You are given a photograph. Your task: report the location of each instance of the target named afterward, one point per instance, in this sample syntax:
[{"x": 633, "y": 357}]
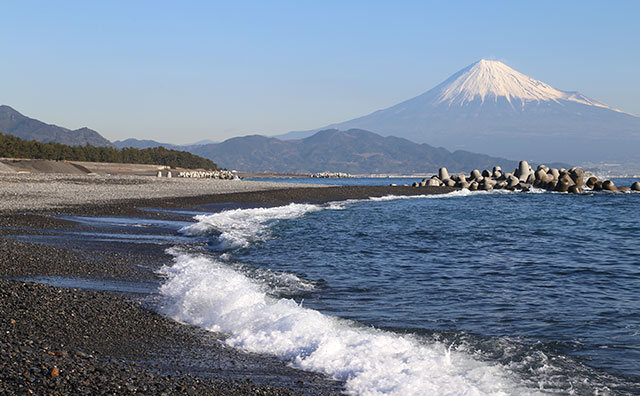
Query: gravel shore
[
  {"x": 49, "y": 191},
  {"x": 66, "y": 340},
  {"x": 61, "y": 341}
]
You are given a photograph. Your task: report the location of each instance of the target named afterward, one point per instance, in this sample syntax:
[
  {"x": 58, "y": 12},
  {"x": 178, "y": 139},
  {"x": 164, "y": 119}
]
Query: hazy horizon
[{"x": 196, "y": 71}]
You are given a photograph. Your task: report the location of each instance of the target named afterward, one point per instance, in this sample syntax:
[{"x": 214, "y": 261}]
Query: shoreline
[
  {"x": 71, "y": 193},
  {"x": 62, "y": 340}
]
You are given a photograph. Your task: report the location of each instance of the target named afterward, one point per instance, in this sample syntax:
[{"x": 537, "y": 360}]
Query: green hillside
[{"x": 13, "y": 147}]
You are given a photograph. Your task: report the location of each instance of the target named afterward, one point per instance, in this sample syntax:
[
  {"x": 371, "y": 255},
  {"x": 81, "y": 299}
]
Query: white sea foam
[
  {"x": 276, "y": 282},
  {"x": 395, "y": 197},
  {"x": 467, "y": 193},
  {"x": 227, "y": 297},
  {"x": 239, "y": 227},
  {"x": 223, "y": 296},
  {"x": 208, "y": 293}
]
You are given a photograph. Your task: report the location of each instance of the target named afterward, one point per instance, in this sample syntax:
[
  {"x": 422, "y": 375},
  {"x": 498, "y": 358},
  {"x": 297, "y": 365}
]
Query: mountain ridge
[
  {"x": 14, "y": 123},
  {"x": 142, "y": 144},
  {"x": 354, "y": 151}
]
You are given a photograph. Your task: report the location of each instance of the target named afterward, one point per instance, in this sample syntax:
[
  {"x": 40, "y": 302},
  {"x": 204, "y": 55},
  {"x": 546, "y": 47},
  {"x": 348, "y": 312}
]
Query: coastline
[{"x": 72, "y": 339}]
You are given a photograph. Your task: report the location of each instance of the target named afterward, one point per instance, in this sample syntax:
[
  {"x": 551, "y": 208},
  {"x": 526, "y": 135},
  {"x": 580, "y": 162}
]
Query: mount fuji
[{"x": 491, "y": 108}]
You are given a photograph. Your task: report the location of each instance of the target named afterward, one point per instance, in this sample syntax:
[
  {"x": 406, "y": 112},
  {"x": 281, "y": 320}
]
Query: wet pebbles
[
  {"x": 66, "y": 341},
  {"x": 63, "y": 341}
]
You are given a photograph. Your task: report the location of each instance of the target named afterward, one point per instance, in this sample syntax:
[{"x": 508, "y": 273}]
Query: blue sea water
[
  {"x": 356, "y": 181},
  {"x": 467, "y": 293}
]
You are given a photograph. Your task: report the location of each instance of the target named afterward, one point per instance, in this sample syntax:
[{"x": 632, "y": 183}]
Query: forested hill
[
  {"x": 13, "y": 147},
  {"x": 354, "y": 151},
  {"x": 16, "y": 124}
]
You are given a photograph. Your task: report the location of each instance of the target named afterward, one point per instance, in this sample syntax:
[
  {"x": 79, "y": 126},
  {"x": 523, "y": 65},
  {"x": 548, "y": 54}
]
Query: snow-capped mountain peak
[
  {"x": 488, "y": 107},
  {"x": 489, "y": 80}
]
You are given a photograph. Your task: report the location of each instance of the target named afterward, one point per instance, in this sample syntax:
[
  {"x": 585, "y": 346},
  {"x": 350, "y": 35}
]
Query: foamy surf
[
  {"x": 238, "y": 228},
  {"x": 468, "y": 193},
  {"x": 454, "y": 194},
  {"x": 208, "y": 293},
  {"x": 245, "y": 303}
]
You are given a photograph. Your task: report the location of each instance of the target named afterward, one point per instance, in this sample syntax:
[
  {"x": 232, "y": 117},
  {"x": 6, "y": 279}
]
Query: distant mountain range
[
  {"x": 143, "y": 144},
  {"x": 354, "y": 151},
  {"x": 16, "y": 124},
  {"x": 488, "y": 107}
]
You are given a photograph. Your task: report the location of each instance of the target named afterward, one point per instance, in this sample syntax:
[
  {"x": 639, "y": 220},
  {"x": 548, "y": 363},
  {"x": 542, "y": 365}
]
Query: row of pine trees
[{"x": 14, "y": 147}]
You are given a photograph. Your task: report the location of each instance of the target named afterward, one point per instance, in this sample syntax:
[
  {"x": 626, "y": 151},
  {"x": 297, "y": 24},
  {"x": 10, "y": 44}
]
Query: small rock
[
  {"x": 566, "y": 178},
  {"x": 476, "y": 175},
  {"x": 540, "y": 174},
  {"x": 608, "y": 185},
  {"x": 443, "y": 174},
  {"x": 550, "y": 185},
  {"x": 562, "y": 186},
  {"x": 486, "y": 185},
  {"x": 531, "y": 178},
  {"x": 575, "y": 189},
  {"x": 512, "y": 181},
  {"x": 597, "y": 186},
  {"x": 522, "y": 172},
  {"x": 577, "y": 175}
]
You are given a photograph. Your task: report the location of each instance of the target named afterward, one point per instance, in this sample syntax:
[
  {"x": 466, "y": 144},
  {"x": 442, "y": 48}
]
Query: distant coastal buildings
[{"x": 331, "y": 175}]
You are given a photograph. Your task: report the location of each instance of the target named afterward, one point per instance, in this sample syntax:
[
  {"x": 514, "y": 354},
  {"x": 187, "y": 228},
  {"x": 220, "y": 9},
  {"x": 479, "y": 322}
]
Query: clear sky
[{"x": 183, "y": 71}]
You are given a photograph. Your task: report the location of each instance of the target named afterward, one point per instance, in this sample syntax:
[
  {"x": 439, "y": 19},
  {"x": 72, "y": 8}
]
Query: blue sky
[{"x": 185, "y": 71}]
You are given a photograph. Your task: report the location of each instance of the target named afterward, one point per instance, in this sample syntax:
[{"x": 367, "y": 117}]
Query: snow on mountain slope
[{"x": 489, "y": 80}]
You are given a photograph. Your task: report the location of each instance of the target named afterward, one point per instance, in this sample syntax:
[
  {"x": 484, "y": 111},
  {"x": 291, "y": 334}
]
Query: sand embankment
[
  {"x": 24, "y": 165},
  {"x": 41, "y": 166}
]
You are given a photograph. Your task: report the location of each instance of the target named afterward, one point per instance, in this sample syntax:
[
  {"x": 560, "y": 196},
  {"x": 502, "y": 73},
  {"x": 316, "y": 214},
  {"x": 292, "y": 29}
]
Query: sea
[{"x": 464, "y": 293}]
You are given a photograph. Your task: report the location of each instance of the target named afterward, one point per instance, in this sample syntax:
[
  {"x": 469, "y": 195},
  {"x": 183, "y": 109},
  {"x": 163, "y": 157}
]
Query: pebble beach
[
  {"x": 40, "y": 191},
  {"x": 75, "y": 340}
]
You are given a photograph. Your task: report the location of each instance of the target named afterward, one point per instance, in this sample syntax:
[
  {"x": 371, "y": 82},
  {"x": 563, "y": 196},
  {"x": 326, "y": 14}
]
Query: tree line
[{"x": 14, "y": 147}]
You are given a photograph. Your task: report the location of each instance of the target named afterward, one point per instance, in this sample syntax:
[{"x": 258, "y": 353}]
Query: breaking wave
[{"x": 208, "y": 293}]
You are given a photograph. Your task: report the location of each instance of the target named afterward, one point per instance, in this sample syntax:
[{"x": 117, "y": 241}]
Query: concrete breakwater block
[{"x": 524, "y": 178}]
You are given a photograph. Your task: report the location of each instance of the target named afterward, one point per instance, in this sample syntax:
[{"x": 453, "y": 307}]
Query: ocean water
[
  {"x": 483, "y": 293},
  {"x": 356, "y": 181},
  {"x": 385, "y": 181}
]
